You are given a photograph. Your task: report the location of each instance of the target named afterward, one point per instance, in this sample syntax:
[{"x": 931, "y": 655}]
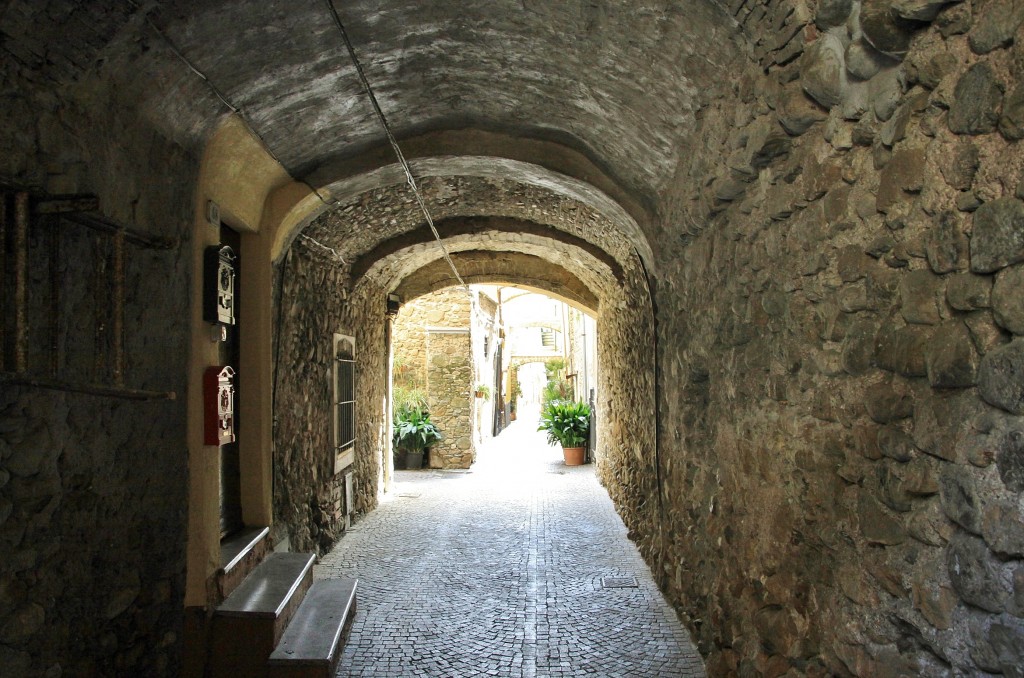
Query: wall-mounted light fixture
[{"x": 394, "y": 303}]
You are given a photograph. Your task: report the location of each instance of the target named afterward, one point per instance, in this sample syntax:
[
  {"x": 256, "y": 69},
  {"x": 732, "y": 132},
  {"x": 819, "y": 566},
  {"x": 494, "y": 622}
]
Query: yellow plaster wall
[{"x": 254, "y": 194}]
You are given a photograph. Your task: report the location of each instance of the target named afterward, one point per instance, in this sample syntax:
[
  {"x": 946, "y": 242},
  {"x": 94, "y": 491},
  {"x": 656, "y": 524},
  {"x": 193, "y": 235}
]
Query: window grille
[
  {"x": 344, "y": 394},
  {"x": 547, "y": 337}
]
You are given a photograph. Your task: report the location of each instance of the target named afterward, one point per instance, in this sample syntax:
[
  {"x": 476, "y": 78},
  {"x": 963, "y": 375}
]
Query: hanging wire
[
  {"x": 237, "y": 110},
  {"x": 323, "y": 247},
  {"x": 410, "y": 179},
  {"x": 184, "y": 60}
]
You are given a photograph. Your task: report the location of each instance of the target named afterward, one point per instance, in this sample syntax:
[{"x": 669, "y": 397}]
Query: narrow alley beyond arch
[{"x": 509, "y": 569}]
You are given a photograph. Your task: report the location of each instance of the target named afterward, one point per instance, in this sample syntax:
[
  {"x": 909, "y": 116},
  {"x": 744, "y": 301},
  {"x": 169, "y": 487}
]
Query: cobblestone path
[{"x": 504, "y": 570}]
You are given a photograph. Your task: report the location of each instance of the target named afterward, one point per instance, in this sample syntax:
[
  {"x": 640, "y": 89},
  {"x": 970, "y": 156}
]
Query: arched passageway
[
  {"x": 818, "y": 206},
  {"x": 340, "y": 269}
]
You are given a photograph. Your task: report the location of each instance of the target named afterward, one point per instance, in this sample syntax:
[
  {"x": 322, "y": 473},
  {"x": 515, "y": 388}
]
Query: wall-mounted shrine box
[{"x": 219, "y": 405}]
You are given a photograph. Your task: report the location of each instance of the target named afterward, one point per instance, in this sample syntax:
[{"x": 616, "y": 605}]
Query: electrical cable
[
  {"x": 324, "y": 247},
  {"x": 237, "y": 110},
  {"x": 410, "y": 179}
]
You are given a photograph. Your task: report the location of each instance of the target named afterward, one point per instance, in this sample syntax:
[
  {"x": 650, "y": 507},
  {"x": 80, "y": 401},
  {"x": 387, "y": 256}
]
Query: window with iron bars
[{"x": 344, "y": 400}]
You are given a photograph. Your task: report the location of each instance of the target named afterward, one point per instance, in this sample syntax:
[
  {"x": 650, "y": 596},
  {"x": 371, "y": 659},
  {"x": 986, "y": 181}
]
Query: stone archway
[
  {"x": 497, "y": 230},
  {"x": 515, "y": 383}
]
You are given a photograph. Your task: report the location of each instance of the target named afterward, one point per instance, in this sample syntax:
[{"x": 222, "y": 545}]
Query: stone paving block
[{"x": 498, "y": 572}]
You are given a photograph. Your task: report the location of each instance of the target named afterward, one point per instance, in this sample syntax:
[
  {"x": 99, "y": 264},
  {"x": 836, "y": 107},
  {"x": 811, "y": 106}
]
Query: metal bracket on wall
[
  {"x": 21, "y": 212},
  {"x": 17, "y": 379},
  {"x": 84, "y": 210}
]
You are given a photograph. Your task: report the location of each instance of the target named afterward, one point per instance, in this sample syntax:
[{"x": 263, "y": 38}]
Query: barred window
[{"x": 344, "y": 400}]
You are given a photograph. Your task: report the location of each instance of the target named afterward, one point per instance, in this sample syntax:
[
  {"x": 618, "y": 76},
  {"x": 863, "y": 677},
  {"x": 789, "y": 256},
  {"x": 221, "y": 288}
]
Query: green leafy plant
[
  {"x": 483, "y": 391},
  {"x": 556, "y": 389},
  {"x": 414, "y": 432},
  {"x": 553, "y": 367},
  {"x": 566, "y": 423},
  {"x": 406, "y": 398}
]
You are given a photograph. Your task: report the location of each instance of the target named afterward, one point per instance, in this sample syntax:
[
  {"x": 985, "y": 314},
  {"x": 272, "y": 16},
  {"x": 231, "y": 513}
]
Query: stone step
[
  {"x": 239, "y": 556},
  {"x": 312, "y": 644},
  {"x": 250, "y": 622}
]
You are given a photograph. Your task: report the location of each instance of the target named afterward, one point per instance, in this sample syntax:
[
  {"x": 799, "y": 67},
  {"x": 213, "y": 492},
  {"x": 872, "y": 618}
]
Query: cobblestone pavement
[{"x": 504, "y": 571}]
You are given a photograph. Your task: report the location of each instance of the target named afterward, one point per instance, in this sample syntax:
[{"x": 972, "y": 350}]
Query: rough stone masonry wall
[
  {"x": 450, "y": 395},
  {"x": 626, "y": 456},
  {"x": 315, "y": 302},
  {"x": 442, "y": 363},
  {"x": 93, "y": 489},
  {"x": 840, "y": 319}
]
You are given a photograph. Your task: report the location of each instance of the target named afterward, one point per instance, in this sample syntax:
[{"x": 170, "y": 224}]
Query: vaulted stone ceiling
[
  {"x": 616, "y": 81},
  {"x": 583, "y": 99}
]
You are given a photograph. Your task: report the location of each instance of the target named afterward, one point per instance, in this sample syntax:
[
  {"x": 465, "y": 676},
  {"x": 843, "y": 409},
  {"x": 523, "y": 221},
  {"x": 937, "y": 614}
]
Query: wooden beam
[
  {"x": 104, "y": 225},
  {"x": 67, "y": 204},
  {"x": 18, "y": 379}
]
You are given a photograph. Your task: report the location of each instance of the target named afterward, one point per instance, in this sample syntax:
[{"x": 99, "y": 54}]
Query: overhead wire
[
  {"x": 323, "y": 247},
  {"x": 410, "y": 179},
  {"x": 185, "y": 60},
  {"x": 237, "y": 110}
]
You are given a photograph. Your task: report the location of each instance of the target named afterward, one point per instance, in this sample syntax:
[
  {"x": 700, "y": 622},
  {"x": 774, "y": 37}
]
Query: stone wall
[
  {"x": 626, "y": 454},
  {"x": 316, "y": 302},
  {"x": 93, "y": 488},
  {"x": 840, "y": 359},
  {"x": 432, "y": 338},
  {"x": 576, "y": 341},
  {"x": 450, "y": 397}
]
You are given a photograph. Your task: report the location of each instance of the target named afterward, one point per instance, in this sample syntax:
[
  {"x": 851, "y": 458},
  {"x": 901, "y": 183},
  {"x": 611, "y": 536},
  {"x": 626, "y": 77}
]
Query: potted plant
[
  {"x": 513, "y": 401},
  {"x": 482, "y": 391},
  {"x": 567, "y": 424},
  {"x": 414, "y": 434}
]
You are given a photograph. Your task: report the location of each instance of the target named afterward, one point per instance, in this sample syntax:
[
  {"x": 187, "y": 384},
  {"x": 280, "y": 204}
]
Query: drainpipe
[
  {"x": 567, "y": 356},
  {"x": 117, "y": 321},
  {"x": 586, "y": 369},
  {"x": 53, "y": 238}
]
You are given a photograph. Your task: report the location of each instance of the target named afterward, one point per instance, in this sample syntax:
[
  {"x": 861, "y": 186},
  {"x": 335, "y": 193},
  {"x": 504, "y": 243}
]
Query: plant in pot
[
  {"x": 567, "y": 424},
  {"x": 513, "y": 401},
  {"x": 482, "y": 391},
  {"x": 414, "y": 434}
]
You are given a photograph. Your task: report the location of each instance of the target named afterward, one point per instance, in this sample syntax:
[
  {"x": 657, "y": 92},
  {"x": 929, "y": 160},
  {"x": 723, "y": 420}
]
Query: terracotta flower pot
[{"x": 573, "y": 455}]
